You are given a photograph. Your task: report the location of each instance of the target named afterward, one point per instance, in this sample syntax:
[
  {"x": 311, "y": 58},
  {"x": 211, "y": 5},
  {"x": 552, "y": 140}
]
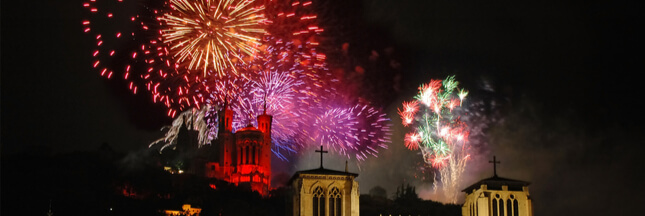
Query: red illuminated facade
[{"x": 244, "y": 157}]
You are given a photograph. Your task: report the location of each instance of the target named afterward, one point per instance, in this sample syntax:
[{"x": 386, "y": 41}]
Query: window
[
  {"x": 495, "y": 213},
  {"x": 319, "y": 202},
  {"x": 517, "y": 208},
  {"x": 335, "y": 202},
  {"x": 246, "y": 156},
  {"x": 509, "y": 207},
  {"x": 501, "y": 207},
  {"x": 253, "y": 155}
]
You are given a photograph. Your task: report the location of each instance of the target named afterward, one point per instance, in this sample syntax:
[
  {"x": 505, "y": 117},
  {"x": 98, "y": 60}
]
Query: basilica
[{"x": 243, "y": 157}]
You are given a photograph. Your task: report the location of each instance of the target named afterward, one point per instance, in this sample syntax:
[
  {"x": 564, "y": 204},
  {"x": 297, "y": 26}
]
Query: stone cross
[
  {"x": 495, "y": 162},
  {"x": 321, "y": 155}
]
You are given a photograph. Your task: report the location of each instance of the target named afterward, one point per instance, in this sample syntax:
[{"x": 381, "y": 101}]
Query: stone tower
[
  {"x": 497, "y": 196},
  {"x": 325, "y": 192},
  {"x": 264, "y": 124},
  {"x": 225, "y": 141}
]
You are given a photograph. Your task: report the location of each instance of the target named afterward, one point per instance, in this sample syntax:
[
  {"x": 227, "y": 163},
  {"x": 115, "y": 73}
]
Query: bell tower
[
  {"x": 264, "y": 125},
  {"x": 225, "y": 118},
  {"x": 497, "y": 196},
  {"x": 225, "y": 139}
]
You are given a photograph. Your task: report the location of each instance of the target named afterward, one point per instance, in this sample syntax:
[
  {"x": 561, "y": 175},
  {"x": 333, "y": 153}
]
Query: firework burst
[
  {"x": 212, "y": 35},
  {"x": 438, "y": 132},
  {"x": 358, "y": 131}
]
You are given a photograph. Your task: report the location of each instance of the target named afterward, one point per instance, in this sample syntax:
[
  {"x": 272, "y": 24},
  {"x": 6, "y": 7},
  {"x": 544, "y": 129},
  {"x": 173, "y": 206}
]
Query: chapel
[
  {"x": 325, "y": 192},
  {"x": 497, "y": 196}
]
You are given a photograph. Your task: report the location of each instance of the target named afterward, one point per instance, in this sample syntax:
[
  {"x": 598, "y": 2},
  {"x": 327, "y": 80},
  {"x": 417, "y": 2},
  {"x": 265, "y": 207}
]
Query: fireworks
[
  {"x": 213, "y": 35},
  {"x": 193, "y": 55},
  {"x": 181, "y": 51},
  {"x": 357, "y": 131},
  {"x": 438, "y": 131},
  {"x": 278, "y": 93},
  {"x": 192, "y": 119}
]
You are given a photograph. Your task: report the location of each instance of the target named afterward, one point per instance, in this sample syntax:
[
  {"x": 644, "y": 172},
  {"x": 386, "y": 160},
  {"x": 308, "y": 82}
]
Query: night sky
[{"x": 566, "y": 73}]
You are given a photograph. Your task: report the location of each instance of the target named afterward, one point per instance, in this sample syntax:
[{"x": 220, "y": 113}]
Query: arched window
[
  {"x": 335, "y": 202},
  {"x": 501, "y": 207},
  {"x": 253, "y": 155},
  {"x": 509, "y": 207},
  {"x": 246, "y": 155},
  {"x": 495, "y": 213},
  {"x": 319, "y": 202},
  {"x": 516, "y": 206}
]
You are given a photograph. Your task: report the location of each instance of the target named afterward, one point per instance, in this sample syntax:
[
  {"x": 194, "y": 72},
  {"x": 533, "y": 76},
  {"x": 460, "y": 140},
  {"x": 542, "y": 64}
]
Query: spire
[
  {"x": 225, "y": 102},
  {"x": 346, "y": 170},
  {"x": 265, "y": 102}
]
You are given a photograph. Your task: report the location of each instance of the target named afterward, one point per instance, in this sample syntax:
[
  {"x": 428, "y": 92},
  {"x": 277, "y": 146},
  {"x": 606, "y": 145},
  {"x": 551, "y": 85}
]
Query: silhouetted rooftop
[
  {"x": 496, "y": 183},
  {"x": 322, "y": 171}
]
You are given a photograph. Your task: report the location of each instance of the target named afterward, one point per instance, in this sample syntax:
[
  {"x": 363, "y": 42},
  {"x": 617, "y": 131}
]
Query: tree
[{"x": 378, "y": 191}]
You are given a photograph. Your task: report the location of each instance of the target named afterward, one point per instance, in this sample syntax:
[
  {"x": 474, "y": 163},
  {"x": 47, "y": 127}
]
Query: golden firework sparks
[{"x": 213, "y": 35}]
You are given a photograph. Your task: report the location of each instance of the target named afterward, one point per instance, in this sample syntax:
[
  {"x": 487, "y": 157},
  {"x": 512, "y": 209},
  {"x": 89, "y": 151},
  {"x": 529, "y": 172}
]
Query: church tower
[
  {"x": 264, "y": 124},
  {"x": 225, "y": 140},
  {"x": 497, "y": 196},
  {"x": 324, "y": 192}
]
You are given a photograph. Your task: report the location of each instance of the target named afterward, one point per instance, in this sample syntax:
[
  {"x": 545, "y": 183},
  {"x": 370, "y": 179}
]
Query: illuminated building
[
  {"x": 497, "y": 196},
  {"x": 243, "y": 156},
  {"x": 324, "y": 192},
  {"x": 186, "y": 210}
]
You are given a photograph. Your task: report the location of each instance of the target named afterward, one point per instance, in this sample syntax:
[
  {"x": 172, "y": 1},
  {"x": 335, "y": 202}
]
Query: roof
[
  {"x": 248, "y": 128},
  {"x": 496, "y": 182},
  {"x": 321, "y": 171}
]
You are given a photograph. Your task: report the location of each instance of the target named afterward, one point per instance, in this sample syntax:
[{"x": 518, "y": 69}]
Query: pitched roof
[{"x": 495, "y": 183}]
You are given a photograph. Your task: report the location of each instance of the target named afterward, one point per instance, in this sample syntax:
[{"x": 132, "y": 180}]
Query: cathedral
[
  {"x": 497, "y": 196},
  {"x": 244, "y": 156}
]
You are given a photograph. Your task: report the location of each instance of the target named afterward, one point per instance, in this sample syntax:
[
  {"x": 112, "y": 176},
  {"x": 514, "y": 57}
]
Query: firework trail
[
  {"x": 438, "y": 132},
  {"x": 192, "y": 119}
]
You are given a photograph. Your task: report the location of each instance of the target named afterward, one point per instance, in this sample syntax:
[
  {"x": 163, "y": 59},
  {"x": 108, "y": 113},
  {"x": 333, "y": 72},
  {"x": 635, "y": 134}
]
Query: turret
[
  {"x": 225, "y": 140},
  {"x": 264, "y": 125},
  {"x": 225, "y": 117}
]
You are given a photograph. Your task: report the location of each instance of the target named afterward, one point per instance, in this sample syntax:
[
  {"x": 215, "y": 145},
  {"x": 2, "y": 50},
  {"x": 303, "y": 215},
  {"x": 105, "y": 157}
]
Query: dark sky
[{"x": 567, "y": 72}]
